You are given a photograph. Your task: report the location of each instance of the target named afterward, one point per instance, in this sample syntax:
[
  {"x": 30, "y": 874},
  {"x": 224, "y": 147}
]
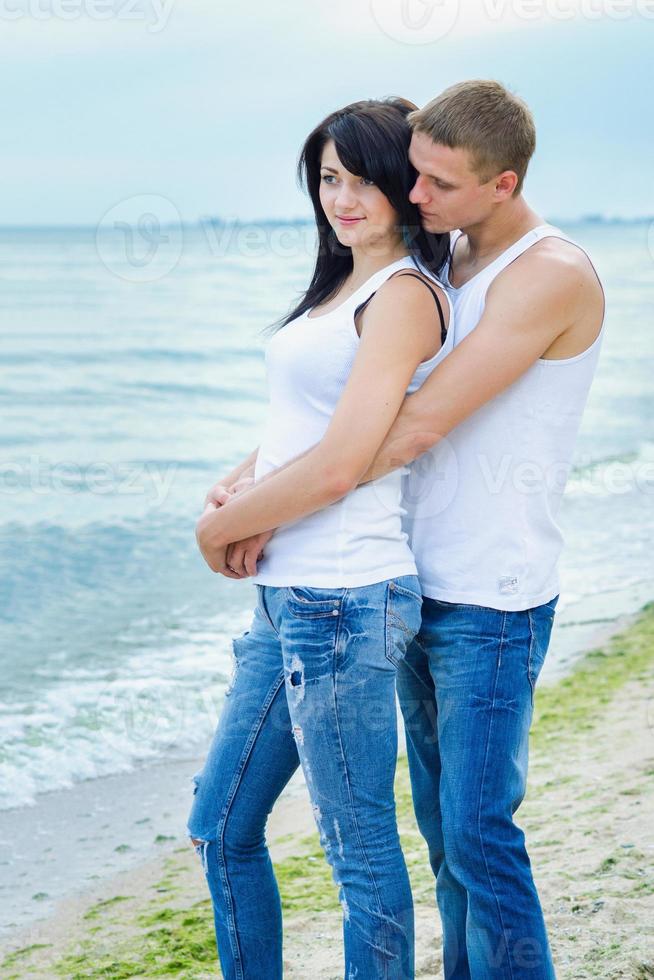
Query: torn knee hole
[{"x": 201, "y": 847}]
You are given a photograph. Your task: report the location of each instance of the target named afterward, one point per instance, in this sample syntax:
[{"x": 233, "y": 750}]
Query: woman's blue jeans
[
  {"x": 314, "y": 685},
  {"x": 466, "y": 689}
]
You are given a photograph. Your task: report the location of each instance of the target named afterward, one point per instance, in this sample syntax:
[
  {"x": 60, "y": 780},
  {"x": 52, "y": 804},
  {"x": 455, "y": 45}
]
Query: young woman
[{"x": 338, "y": 598}]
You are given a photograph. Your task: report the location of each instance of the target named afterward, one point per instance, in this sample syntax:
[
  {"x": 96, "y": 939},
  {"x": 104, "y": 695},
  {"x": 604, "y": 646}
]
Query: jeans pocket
[
  {"x": 403, "y": 619},
  {"x": 307, "y": 602}
]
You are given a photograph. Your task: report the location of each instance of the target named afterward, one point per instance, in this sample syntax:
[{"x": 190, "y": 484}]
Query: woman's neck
[{"x": 366, "y": 264}]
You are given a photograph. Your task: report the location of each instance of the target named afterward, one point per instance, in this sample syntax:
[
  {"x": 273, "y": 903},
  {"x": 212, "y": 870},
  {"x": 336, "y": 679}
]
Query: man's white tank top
[
  {"x": 481, "y": 506},
  {"x": 358, "y": 540}
]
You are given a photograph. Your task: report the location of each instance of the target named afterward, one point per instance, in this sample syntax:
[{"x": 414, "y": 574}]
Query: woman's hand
[
  {"x": 242, "y": 556},
  {"x": 215, "y": 558},
  {"x": 239, "y": 559}
]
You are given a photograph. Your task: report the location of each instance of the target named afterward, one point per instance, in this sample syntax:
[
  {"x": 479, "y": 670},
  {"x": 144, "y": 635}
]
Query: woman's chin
[{"x": 348, "y": 237}]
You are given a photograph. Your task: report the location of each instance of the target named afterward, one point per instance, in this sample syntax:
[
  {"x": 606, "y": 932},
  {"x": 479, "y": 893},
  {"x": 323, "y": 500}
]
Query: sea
[{"x": 132, "y": 378}]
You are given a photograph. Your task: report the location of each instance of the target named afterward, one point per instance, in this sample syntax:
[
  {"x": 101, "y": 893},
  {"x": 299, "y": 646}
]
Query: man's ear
[{"x": 505, "y": 184}]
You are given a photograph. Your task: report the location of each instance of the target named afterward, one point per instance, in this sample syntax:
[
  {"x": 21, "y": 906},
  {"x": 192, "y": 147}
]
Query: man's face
[{"x": 447, "y": 191}]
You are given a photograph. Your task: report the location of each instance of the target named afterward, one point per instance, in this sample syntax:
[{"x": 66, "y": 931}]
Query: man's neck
[{"x": 497, "y": 232}]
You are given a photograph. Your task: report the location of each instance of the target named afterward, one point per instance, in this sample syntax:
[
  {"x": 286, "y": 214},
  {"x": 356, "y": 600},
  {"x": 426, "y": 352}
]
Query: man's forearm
[
  {"x": 246, "y": 468},
  {"x": 406, "y": 440}
]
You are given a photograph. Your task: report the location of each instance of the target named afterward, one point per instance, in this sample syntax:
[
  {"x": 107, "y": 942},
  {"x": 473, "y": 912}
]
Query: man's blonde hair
[{"x": 483, "y": 117}]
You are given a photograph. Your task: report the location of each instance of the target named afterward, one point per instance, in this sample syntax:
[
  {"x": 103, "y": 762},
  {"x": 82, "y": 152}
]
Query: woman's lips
[{"x": 348, "y": 221}]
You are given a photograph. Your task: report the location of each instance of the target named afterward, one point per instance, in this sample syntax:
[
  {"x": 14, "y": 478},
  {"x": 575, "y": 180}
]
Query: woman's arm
[{"x": 399, "y": 329}]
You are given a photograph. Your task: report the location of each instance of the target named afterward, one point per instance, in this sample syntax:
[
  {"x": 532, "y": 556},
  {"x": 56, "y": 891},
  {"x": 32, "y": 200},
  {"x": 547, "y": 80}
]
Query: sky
[{"x": 205, "y": 103}]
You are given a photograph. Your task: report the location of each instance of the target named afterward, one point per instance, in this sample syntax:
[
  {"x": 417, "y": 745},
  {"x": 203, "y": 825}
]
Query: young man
[{"x": 492, "y": 433}]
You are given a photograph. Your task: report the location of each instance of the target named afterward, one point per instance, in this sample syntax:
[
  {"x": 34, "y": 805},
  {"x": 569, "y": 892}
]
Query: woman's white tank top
[
  {"x": 481, "y": 506},
  {"x": 358, "y": 540}
]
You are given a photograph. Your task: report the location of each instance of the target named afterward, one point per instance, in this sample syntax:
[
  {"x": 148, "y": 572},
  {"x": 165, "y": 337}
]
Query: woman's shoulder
[{"x": 420, "y": 290}]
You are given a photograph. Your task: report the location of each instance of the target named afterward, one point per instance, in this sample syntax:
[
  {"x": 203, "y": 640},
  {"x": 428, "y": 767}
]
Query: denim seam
[
  {"x": 481, "y": 793},
  {"x": 388, "y": 612},
  {"x": 407, "y": 592},
  {"x": 531, "y": 648},
  {"x": 392, "y": 619},
  {"x": 349, "y": 792},
  {"x": 292, "y": 591},
  {"x": 231, "y": 924},
  {"x": 264, "y": 612}
]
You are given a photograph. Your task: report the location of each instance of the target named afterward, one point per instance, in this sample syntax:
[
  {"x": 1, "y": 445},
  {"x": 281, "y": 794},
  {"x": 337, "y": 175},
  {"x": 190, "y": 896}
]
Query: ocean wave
[
  {"x": 619, "y": 473},
  {"x": 82, "y": 722}
]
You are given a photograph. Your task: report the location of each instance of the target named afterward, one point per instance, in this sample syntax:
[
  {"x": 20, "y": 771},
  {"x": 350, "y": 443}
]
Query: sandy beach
[{"x": 587, "y": 817}]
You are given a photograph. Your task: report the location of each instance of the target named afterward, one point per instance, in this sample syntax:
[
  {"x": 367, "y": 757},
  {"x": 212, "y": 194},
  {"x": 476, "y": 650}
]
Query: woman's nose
[{"x": 346, "y": 198}]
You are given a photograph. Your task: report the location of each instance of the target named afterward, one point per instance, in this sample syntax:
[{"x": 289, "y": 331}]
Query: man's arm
[
  {"x": 217, "y": 493},
  {"x": 550, "y": 298}
]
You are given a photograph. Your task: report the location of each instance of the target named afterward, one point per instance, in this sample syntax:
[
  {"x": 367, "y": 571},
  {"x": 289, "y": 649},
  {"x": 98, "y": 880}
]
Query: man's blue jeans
[
  {"x": 314, "y": 685},
  {"x": 466, "y": 690}
]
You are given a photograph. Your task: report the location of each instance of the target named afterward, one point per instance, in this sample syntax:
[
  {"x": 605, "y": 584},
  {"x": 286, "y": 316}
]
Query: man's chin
[{"x": 436, "y": 226}]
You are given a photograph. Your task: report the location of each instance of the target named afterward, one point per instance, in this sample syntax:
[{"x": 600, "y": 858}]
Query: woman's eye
[
  {"x": 368, "y": 181},
  {"x": 328, "y": 178}
]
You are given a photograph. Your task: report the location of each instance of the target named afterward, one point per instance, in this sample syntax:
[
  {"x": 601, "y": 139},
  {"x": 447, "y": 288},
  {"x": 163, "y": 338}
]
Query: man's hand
[{"x": 220, "y": 493}]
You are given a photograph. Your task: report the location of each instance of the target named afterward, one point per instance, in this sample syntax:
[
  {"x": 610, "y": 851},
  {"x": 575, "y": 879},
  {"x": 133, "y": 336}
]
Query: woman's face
[{"x": 359, "y": 213}]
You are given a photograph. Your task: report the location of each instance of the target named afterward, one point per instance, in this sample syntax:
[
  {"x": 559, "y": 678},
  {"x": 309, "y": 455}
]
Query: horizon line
[{"x": 591, "y": 218}]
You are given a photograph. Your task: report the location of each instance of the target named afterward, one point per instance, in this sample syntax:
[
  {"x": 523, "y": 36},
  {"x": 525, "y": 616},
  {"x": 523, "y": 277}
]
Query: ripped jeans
[{"x": 314, "y": 685}]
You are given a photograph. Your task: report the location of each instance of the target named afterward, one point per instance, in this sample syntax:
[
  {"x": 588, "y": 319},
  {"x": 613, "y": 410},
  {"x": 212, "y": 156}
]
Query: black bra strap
[
  {"x": 438, "y": 302},
  {"x": 441, "y": 316},
  {"x": 362, "y": 306}
]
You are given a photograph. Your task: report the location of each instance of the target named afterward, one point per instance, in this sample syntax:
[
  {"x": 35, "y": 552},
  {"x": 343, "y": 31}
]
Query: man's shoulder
[
  {"x": 552, "y": 263},
  {"x": 560, "y": 250}
]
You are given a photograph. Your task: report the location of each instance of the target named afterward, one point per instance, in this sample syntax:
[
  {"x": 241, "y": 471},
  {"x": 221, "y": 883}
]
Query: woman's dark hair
[{"x": 372, "y": 140}]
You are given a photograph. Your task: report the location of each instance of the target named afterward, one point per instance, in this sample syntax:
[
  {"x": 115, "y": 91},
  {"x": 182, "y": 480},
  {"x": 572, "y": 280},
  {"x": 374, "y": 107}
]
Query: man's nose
[{"x": 417, "y": 194}]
